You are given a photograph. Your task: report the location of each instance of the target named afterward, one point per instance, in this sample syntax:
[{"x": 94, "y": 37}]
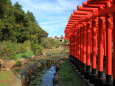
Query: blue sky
[{"x": 52, "y": 15}]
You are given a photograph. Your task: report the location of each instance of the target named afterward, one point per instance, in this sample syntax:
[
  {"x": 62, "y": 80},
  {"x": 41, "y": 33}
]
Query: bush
[
  {"x": 18, "y": 64},
  {"x": 37, "y": 49},
  {"x": 50, "y": 43},
  {"x": 7, "y": 50},
  {"x": 25, "y": 47},
  {"x": 10, "y": 50},
  {"x": 26, "y": 55}
]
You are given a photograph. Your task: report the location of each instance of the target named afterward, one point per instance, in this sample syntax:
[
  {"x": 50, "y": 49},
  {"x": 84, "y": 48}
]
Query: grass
[
  {"x": 69, "y": 76},
  {"x": 8, "y": 78},
  {"x": 24, "y": 55},
  {"x": 53, "y": 50},
  {"x": 4, "y": 75}
]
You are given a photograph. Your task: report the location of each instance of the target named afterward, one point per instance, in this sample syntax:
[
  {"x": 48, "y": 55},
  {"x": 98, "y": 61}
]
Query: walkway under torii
[{"x": 91, "y": 31}]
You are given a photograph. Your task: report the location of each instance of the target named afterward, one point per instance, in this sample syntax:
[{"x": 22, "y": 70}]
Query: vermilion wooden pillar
[
  {"x": 113, "y": 35},
  {"x": 70, "y": 46},
  {"x": 73, "y": 45},
  {"x": 75, "y": 42},
  {"x": 104, "y": 44},
  {"x": 81, "y": 40},
  {"x": 77, "y": 52},
  {"x": 94, "y": 46},
  {"x": 88, "y": 47},
  {"x": 101, "y": 49},
  {"x": 91, "y": 41},
  {"x": 79, "y": 44},
  {"x": 84, "y": 48},
  {"x": 109, "y": 28},
  {"x": 79, "y": 47}
]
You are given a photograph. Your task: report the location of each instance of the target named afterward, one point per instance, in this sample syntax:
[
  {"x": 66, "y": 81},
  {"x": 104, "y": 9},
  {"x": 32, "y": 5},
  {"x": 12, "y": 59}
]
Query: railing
[{"x": 91, "y": 31}]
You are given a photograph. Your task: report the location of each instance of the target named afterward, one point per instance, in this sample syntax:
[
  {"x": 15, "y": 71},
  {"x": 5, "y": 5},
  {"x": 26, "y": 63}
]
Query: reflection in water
[{"x": 47, "y": 77}]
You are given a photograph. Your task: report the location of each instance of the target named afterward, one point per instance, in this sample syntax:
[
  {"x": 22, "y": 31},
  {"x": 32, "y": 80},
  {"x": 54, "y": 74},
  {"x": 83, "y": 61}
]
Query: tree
[
  {"x": 50, "y": 43},
  {"x": 4, "y": 5},
  {"x": 18, "y": 26},
  {"x": 31, "y": 16}
]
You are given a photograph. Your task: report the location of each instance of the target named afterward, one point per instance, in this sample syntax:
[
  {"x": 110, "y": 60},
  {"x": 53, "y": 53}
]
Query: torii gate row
[
  {"x": 94, "y": 35},
  {"x": 75, "y": 18},
  {"x": 89, "y": 9}
]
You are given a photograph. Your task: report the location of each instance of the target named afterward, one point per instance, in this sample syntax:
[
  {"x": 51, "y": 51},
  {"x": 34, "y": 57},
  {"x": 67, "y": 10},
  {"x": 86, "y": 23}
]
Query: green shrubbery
[
  {"x": 13, "y": 50},
  {"x": 50, "y": 43},
  {"x": 10, "y": 50},
  {"x": 20, "y": 34},
  {"x": 7, "y": 50},
  {"x": 37, "y": 49}
]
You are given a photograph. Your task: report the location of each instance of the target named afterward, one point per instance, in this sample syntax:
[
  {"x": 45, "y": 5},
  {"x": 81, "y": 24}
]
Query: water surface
[{"x": 47, "y": 77}]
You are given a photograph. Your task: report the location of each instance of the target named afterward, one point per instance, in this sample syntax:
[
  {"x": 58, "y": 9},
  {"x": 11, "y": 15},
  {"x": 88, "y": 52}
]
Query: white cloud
[
  {"x": 56, "y": 5},
  {"x": 54, "y": 28},
  {"x": 52, "y": 15},
  {"x": 52, "y": 22}
]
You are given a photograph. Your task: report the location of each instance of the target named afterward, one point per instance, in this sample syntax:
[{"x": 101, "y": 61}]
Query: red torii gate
[{"x": 100, "y": 32}]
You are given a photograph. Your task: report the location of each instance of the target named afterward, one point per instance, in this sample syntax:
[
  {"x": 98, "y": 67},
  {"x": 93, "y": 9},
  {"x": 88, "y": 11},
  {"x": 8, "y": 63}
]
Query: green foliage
[
  {"x": 18, "y": 26},
  {"x": 18, "y": 63},
  {"x": 26, "y": 55},
  {"x": 31, "y": 16},
  {"x": 7, "y": 78},
  {"x": 26, "y": 46},
  {"x": 69, "y": 77},
  {"x": 66, "y": 41},
  {"x": 4, "y": 5},
  {"x": 7, "y": 50},
  {"x": 18, "y": 30},
  {"x": 10, "y": 50},
  {"x": 50, "y": 43},
  {"x": 37, "y": 49}
]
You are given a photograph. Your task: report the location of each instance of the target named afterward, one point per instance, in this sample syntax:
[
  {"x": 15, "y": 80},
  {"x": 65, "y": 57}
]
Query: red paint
[
  {"x": 109, "y": 44},
  {"x": 94, "y": 42},
  {"x": 84, "y": 44},
  {"x": 101, "y": 49},
  {"x": 88, "y": 37},
  {"x": 88, "y": 44},
  {"x": 79, "y": 43}
]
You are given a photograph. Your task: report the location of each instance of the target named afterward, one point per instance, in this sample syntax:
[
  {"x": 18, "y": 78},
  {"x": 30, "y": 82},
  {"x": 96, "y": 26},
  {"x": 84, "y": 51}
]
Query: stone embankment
[
  {"x": 57, "y": 78},
  {"x": 27, "y": 74},
  {"x": 27, "y": 70},
  {"x": 6, "y": 65}
]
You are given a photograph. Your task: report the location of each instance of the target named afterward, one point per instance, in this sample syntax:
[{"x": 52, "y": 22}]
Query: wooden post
[
  {"x": 109, "y": 28},
  {"x": 113, "y": 54},
  {"x": 113, "y": 35},
  {"x": 88, "y": 59},
  {"x": 84, "y": 48},
  {"x": 101, "y": 51},
  {"x": 94, "y": 45}
]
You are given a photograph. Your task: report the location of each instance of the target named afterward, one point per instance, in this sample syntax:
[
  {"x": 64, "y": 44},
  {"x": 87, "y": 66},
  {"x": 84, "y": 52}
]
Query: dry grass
[{"x": 8, "y": 78}]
